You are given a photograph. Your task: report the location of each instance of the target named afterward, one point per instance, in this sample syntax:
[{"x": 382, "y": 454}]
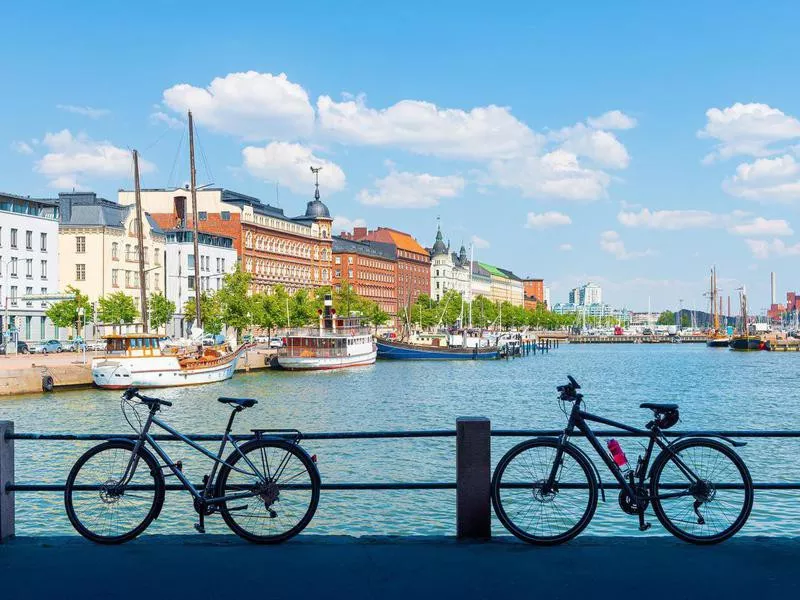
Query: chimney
[{"x": 359, "y": 233}]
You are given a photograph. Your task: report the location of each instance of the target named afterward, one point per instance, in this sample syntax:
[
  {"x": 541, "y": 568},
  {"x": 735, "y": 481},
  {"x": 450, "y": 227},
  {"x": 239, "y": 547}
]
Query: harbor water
[{"x": 716, "y": 389}]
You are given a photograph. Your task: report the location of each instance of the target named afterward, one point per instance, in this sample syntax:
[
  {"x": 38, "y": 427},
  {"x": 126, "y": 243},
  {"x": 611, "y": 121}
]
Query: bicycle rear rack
[{"x": 294, "y": 434}]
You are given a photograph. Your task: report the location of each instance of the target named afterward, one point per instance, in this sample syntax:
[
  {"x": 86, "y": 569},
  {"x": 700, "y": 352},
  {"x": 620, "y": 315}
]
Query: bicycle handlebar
[{"x": 133, "y": 392}]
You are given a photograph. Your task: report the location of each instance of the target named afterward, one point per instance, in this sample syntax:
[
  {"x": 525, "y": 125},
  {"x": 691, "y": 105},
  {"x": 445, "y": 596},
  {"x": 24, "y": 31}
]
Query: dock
[
  {"x": 637, "y": 339},
  {"x": 27, "y": 373}
]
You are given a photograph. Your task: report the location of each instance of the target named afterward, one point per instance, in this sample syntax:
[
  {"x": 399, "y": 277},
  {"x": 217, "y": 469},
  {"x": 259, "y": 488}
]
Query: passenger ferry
[
  {"x": 136, "y": 359},
  {"x": 337, "y": 343}
]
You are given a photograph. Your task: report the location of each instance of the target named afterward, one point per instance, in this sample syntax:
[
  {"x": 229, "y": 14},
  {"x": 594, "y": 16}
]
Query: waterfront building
[
  {"x": 98, "y": 244},
  {"x": 481, "y": 281},
  {"x": 413, "y": 275},
  {"x": 547, "y": 297},
  {"x": 29, "y": 265},
  {"x": 596, "y": 310},
  {"x": 449, "y": 271},
  {"x": 217, "y": 257},
  {"x": 534, "y": 292},
  {"x": 274, "y": 249},
  {"x": 370, "y": 267},
  {"x": 588, "y": 293},
  {"x": 505, "y": 286}
]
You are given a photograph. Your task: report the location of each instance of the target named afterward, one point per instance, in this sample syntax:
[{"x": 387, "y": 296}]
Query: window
[
  {"x": 350, "y": 273},
  {"x": 226, "y": 215},
  {"x": 223, "y": 264},
  {"x": 338, "y": 260},
  {"x": 29, "y": 292},
  {"x": 218, "y": 264},
  {"x": 156, "y": 257},
  {"x": 44, "y": 293},
  {"x": 80, "y": 272},
  {"x": 13, "y": 238},
  {"x": 338, "y": 273},
  {"x": 191, "y": 282},
  {"x": 349, "y": 260},
  {"x": 80, "y": 244},
  {"x": 115, "y": 277},
  {"x": 13, "y": 295},
  {"x": 29, "y": 240},
  {"x": 42, "y": 330},
  {"x": 28, "y": 327},
  {"x": 191, "y": 260},
  {"x": 202, "y": 215},
  {"x": 29, "y": 268},
  {"x": 43, "y": 242},
  {"x": 14, "y": 266}
]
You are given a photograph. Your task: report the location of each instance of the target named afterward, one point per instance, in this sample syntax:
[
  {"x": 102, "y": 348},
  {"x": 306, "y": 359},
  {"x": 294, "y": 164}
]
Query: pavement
[{"x": 313, "y": 566}]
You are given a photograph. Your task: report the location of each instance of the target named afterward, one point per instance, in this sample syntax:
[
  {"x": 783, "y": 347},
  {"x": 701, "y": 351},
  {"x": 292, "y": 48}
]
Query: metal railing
[{"x": 473, "y": 450}]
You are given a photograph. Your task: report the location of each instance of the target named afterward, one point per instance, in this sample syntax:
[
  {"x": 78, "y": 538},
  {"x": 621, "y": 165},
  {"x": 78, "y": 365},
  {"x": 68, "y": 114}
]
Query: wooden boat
[
  {"x": 744, "y": 340},
  {"x": 396, "y": 350},
  {"x": 717, "y": 337},
  {"x": 136, "y": 359},
  {"x": 336, "y": 344}
]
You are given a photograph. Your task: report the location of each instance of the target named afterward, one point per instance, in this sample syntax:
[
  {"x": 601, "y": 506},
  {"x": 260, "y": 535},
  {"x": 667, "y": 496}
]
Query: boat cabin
[{"x": 133, "y": 344}]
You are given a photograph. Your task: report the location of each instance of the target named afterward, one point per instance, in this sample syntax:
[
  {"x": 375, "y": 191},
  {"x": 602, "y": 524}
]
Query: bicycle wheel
[
  {"x": 536, "y": 516},
  {"x": 113, "y": 513},
  {"x": 715, "y": 507},
  {"x": 283, "y": 491}
]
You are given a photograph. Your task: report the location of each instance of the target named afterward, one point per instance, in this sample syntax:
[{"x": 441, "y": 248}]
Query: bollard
[
  {"x": 6, "y": 478},
  {"x": 473, "y": 478}
]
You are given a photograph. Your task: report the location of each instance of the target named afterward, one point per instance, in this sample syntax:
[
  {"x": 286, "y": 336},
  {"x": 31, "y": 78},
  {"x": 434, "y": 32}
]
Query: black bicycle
[
  {"x": 267, "y": 490},
  {"x": 545, "y": 490}
]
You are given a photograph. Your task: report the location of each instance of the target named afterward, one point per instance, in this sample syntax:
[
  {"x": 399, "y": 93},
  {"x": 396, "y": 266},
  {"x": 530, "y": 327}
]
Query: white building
[
  {"x": 217, "y": 257},
  {"x": 591, "y": 293},
  {"x": 28, "y": 265},
  {"x": 449, "y": 271}
]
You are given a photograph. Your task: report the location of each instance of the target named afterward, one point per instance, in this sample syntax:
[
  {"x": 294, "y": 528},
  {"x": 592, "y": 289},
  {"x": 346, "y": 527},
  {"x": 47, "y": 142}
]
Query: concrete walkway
[{"x": 409, "y": 568}]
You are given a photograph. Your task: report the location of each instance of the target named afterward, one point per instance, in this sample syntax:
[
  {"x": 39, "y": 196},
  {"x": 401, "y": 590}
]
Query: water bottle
[{"x": 618, "y": 455}]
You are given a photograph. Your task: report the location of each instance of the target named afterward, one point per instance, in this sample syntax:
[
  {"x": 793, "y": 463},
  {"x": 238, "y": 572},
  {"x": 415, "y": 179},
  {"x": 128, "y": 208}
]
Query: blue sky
[{"x": 628, "y": 143}]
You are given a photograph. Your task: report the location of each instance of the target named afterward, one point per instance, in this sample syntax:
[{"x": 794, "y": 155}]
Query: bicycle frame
[
  {"x": 579, "y": 419},
  {"x": 204, "y": 496}
]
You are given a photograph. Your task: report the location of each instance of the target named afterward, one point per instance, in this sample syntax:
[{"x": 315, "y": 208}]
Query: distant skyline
[{"x": 629, "y": 144}]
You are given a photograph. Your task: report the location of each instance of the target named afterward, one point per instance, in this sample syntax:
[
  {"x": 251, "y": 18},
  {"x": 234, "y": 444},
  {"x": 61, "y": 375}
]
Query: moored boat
[
  {"x": 337, "y": 343},
  {"x": 748, "y": 342},
  {"x": 396, "y": 350},
  {"x": 722, "y": 341},
  {"x": 137, "y": 360}
]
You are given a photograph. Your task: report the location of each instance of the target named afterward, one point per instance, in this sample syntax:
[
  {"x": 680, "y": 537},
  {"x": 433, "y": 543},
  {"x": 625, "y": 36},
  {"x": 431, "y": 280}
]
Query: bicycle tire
[
  {"x": 152, "y": 512},
  {"x": 229, "y": 514},
  {"x": 502, "y": 514},
  {"x": 665, "y": 458}
]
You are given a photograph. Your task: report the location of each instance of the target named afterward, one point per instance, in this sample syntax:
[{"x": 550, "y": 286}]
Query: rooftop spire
[{"x": 315, "y": 171}]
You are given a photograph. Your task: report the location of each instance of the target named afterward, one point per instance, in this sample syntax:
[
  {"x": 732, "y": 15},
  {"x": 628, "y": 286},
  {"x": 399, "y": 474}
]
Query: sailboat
[
  {"x": 137, "y": 359},
  {"x": 717, "y": 338},
  {"x": 743, "y": 340}
]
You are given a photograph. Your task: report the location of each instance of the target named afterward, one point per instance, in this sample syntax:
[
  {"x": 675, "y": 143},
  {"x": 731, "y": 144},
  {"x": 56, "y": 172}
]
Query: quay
[
  {"x": 636, "y": 339},
  {"x": 28, "y": 373},
  {"x": 316, "y": 566}
]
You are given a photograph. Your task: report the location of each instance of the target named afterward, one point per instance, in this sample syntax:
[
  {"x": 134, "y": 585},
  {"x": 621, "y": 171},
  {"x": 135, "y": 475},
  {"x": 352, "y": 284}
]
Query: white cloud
[
  {"x": 70, "y": 158},
  {"x": 565, "y": 247},
  {"x": 251, "y": 105},
  {"x": 600, "y": 146},
  {"x": 21, "y": 147},
  {"x": 170, "y": 121},
  {"x": 766, "y": 179},
  {"x": 669, "y": 219},
  {"x": 411, "y": 190},
  {"x": 290, "y": 165},
  {"x": 547, "y": 219},
  {"x": 613, "y": 119},
  {"x": 341, "y": 223},
  {"x": 748, "y": 129},
  {"x": 763, "y": 249},
  {"x": 481, "y": 133},
  {"x": 86, "y": 111},
  {"x": 763, "y": 227},
  {"x": 479, "y": 242},
  {"x": 611, "y": 242}
]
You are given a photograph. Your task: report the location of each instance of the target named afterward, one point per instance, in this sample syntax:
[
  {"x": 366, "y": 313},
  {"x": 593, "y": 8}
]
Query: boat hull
[
  {"x": 718, "y": 342},
  {"x": 401, "y": 351},
  {"x": 324, "y": 363},
  {"x": 748, "y": 344},
  {"x": 119, "y": 373}
]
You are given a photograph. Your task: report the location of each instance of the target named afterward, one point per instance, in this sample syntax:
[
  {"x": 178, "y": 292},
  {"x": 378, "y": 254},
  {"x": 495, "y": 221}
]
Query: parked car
[
  {"x": 97, "y": 345},
  {"x": 262, "y": 339},
  {"x": 74, "y": 346},
  {"x": 22, "y": 348},
  {"x": 276, "y": 342},
  {"x": 211, "y": 339},
  {"x": 48, "y": 347}
]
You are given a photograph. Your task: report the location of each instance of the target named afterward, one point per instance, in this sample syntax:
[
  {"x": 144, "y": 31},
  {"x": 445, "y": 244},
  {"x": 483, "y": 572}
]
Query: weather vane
[{"x": 315, "y": 171}]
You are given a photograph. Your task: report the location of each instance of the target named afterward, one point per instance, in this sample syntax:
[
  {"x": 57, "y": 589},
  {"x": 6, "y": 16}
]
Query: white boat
[
  {"x": 137, "y": 360},
  {"x": 336, "y": 344}
]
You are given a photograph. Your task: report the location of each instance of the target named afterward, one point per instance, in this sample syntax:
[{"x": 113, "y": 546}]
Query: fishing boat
[
  {"x": 337, "y": 343},
  {"x": 137, "y": 359},
  {"x": 745, "y": 340},
  {"x": 717, "y": 338}
]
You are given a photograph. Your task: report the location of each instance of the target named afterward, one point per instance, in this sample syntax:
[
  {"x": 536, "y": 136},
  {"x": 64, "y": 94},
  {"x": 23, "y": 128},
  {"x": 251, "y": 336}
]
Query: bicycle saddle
[
  {"x": 243, "y": 402},
  {"x": 659, "y": 406}
]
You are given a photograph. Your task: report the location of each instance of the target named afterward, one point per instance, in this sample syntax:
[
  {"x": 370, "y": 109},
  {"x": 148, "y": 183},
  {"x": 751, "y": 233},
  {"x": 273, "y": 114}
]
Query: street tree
[
  {"x": 161, "y": 310},
  {"x": 117, "y": 308},
  {"x": 66, "y": 313}
]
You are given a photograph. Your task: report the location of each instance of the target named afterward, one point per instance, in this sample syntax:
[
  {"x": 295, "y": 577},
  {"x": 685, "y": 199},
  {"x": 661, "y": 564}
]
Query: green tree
[
  {"x": 666, "y": 318},
  {"x": 234, "y": 300},
  {"x": 160, "y": 310},
  {"x": 117, "y": 308},
  {"x": 302, "y": 309},
  {"x": 267, "y": 312},
  {"x": 66, "y": 313},
  {"x": 210, "y": 312}
]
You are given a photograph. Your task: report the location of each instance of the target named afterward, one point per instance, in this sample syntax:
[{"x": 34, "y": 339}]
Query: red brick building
[
  {"x": 370, "y": 267},
  {"x": 534, "y": 292},
  {"x": 413, "y": 261}
]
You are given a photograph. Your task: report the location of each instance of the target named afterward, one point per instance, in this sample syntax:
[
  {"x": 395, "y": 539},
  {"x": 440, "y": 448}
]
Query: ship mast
[
  {"x": 195, "y": 242},
  {"x": 140, "y": 241}
]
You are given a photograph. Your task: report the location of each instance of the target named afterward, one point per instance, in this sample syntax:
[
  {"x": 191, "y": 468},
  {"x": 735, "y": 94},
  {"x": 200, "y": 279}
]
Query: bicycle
[
  {"x": 545, "y": 490},
  {"x": 267, "y": 490}
]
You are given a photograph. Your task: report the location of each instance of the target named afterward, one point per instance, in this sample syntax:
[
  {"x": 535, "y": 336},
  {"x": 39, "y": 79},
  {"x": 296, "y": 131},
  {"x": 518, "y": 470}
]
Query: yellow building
[{"x": 504, "y": 285}]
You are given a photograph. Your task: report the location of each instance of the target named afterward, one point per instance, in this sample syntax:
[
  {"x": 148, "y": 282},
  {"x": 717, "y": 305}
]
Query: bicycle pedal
[
  {"x": 199, "y": 528},
  {"x": 644, "y": 526}
]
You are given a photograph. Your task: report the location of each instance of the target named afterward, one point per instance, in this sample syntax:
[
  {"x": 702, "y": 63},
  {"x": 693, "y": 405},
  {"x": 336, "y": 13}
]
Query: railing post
[
  {"x": 473, "y": 457},
  {"x": 6, "y": 478}
]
